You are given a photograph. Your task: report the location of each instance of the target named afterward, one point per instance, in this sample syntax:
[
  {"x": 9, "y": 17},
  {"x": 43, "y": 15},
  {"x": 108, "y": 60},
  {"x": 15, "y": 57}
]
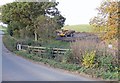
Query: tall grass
[
  {"x": 96, "y": 58},
  {"x": 80, "y": 47},
  {"x": 105, "y": 64}
]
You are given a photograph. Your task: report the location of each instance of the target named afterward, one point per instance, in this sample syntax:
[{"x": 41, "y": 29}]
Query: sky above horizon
[
  {"x": 78, "y": 11},
  {"x": 75, "y": 11}
]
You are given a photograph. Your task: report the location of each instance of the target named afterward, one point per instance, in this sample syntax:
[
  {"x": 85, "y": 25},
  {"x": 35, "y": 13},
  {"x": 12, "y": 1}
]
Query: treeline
[{"x": 36, "y": 20}]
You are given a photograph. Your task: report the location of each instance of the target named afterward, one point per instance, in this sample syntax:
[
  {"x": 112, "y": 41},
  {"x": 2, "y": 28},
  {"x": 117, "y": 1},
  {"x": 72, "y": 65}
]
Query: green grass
[
  {"x": 93, "y": 72},
  {"x": 51, "y": 62},
  {"x": 10, "y": 43},
  {"x": 79, "y": 28},
  {"x": 57, "y": 44}
]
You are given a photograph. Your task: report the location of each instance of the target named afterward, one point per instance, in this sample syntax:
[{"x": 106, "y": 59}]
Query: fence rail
[{"x": 44, "y": 50}]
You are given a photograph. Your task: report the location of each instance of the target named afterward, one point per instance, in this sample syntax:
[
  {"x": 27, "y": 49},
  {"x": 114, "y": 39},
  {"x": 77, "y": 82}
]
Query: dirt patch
[{"x": 80, "y": 36}]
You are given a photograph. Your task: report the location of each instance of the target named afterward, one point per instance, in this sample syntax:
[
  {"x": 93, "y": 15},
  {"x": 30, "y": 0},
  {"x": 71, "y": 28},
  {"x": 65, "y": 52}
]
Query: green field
[{"x": 79, "y": 28}]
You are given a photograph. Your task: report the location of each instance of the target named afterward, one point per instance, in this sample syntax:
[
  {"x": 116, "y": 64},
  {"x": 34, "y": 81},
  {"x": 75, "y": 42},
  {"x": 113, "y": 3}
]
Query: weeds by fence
[
  {"x": 44, "y": 50},
  {"x": 105, "y": 66}
]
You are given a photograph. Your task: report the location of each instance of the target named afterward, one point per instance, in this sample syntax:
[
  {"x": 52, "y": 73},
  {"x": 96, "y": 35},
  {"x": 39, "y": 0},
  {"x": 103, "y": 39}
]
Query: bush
[
  {"x": 30, "y": 42},
  {"x": 10, "y": 42},
  {"x": 105, "y": 59},
  {"x": 68, "y": 57},
  {"x": 97, "y": 61},
  {"x": 106, "y": 63},
  {"x": 96, "y": 58},
  {"x": 88, "y": 59},
  {"x": 80, "y": 48},
  {"x": 49, "y": 53}
]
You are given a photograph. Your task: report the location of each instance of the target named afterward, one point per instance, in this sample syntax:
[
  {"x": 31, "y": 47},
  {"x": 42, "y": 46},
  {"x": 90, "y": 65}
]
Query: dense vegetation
[
  {"x": 97, "y": 61},
  {"x": 107, "y": 21},
  {"x": 2, "y": 28},
  {"x": 32, "y": 19},
  {"x": 35, "y": 24}
]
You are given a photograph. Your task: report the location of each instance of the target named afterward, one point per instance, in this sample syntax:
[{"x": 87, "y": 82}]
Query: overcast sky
[
  {"x": 78, "y": 11},
  {"x": 75, "y": 11}
]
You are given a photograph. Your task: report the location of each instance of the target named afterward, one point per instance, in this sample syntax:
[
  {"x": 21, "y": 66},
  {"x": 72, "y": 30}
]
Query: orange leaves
[{"x": 108, "y": 12}]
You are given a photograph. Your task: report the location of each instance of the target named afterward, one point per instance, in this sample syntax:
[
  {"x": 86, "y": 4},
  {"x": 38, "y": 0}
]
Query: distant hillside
[{"x": 79, "y": 28}]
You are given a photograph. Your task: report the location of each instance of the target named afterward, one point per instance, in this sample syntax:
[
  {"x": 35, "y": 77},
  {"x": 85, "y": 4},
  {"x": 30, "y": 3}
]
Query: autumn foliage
[{"x": 107, "y": 20}]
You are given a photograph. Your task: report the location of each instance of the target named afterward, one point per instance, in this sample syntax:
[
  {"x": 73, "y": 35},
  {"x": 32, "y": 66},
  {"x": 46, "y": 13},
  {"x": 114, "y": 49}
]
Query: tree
[
  {"x": 107, "y": 19},
  {"x": 26, "y": 14},
  {"x": 45, "y": 27}
]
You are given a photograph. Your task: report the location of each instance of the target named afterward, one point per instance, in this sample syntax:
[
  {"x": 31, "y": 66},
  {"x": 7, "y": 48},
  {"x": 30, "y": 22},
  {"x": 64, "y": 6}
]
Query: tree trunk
[{"x": 35, "y": 36}]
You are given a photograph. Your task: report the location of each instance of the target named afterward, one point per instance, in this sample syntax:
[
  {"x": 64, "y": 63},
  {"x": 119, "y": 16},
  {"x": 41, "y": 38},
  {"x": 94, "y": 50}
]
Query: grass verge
[
  {"x": 10, "y": 43},
  {"x": 53, "y": 63}
]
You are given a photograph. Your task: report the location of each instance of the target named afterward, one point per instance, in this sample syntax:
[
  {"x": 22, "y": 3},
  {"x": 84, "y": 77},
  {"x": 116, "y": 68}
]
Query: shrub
[
  {"x": 88, "y": 59},
  {"x": 107, "y": 63},
  {"x": 68, "y": 57},
  {"x": 9, "y": 42},
  {"x": 49, "y": 53},
  {"x": 105, "y": 58},
  {"x": 86, "y": 52},
  {"x": 80, "y": 48},
  {"x": 28, "y": 41}
]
